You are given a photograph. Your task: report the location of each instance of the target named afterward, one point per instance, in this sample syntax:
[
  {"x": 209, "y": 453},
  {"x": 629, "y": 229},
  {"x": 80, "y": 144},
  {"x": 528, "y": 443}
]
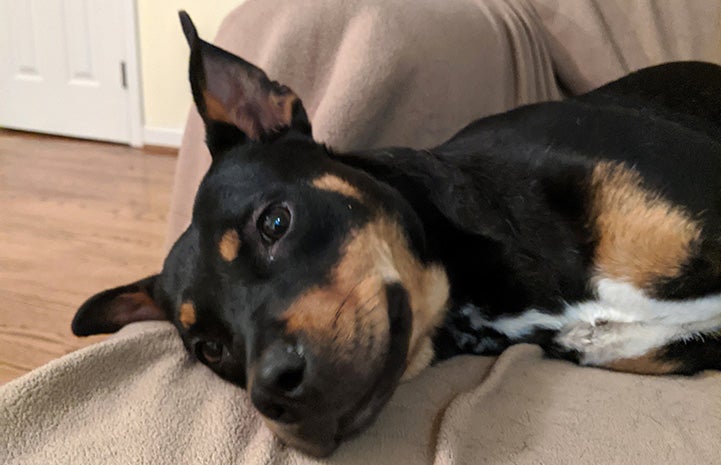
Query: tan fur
[
  {"x": 218, "y": 111},
  {"x": 419, "y": 359},
  {"x": 647, "y": 364},
  {"x": 229, "y": 245},
  {"x": 642, "y": 238},
  {"x": 215, "y": 109},
  {"x": 351, "y": 310},
  {"x": 332, "y": 183},
  {"x": 187, "y": 314},
  {"x": 343, "y": 315},
  {"x": 282, "y": 106},
  {"x": 273, "y": 111}
]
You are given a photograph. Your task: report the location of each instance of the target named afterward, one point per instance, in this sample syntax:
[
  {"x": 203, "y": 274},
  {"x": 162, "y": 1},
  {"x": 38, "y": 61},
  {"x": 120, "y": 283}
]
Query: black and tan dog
[{"x": 316, "y": 280}]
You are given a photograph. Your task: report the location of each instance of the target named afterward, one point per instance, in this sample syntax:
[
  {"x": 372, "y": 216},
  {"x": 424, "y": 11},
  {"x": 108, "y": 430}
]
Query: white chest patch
[{"x": 621, "y": 323}]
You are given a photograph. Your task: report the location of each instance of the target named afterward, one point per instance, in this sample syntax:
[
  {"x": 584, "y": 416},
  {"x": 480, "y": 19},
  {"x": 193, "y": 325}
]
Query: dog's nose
[
  {"x": 279, "y": 373},
  {"x": 281, "y": 368}
]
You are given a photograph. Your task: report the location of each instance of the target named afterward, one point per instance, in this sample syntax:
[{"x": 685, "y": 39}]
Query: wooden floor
[{"x": 76, "y": 217}]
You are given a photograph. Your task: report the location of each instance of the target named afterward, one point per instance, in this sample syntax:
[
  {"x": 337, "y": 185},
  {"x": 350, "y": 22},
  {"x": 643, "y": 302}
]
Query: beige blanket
[
  {"x": 377, "y": 72},
  {"x": 138, "y": 398}
]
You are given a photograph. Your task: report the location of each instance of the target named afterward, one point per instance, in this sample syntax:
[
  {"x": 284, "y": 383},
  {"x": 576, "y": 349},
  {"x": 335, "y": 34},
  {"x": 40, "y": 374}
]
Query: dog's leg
[
  {"x": 695, "y": 355},
  {"x": 635, "y": 347}
]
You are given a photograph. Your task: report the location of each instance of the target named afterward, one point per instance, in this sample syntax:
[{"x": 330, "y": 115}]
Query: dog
[{"x": 319, "y": 280}]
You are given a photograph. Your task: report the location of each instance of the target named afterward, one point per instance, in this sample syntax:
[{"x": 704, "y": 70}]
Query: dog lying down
[{"x": 318, "y": 280}]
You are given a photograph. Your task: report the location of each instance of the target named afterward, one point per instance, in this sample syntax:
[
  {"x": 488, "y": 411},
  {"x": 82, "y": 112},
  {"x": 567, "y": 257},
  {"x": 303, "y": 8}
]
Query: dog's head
[{"x": 300, "y": 279}]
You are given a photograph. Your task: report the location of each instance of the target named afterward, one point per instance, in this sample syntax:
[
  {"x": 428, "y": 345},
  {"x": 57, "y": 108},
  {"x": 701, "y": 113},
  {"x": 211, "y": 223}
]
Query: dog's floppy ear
[
  {"x": 236, "y": 99},
  {"x": 108, "y": 311}
]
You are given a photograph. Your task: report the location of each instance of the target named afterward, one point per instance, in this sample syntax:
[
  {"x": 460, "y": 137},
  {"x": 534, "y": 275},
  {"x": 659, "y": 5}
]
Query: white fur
[
  {"x": 633, "y": 303},
  {"x": 621, "y": 323},
  {"x": 524, "y": 324},
  {"x": 614, "y": 341}
]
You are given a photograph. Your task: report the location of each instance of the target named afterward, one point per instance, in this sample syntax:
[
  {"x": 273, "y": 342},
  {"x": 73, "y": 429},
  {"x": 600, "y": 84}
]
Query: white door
[{"x": 69, "y": 67}]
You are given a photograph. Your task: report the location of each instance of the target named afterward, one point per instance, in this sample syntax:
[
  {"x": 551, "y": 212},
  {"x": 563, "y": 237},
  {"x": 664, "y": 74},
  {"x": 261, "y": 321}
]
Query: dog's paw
[
  {"x": 592, "y": 339},
  {"x": 577, "y": 337}
]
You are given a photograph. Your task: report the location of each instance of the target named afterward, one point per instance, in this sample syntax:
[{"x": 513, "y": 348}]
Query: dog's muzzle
[{"x": 313, "y": 402}]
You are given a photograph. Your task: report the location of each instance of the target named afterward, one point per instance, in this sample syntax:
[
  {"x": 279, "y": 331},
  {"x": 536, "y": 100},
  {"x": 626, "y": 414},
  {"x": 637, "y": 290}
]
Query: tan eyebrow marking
[
  {"x": 229, "y": 245},
  {"x": 187, "y": 314},
  {"x": 332, "y": 183}
]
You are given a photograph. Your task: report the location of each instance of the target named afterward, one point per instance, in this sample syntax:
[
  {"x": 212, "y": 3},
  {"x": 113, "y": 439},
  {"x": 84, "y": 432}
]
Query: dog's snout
[
  {"x": 280, "y": 372},
  {"x": 281, "y": 368}
]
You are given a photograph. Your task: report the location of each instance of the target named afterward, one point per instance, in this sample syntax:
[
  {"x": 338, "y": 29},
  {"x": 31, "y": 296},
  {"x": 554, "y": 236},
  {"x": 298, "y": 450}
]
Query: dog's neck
[
  {"x": 470, "y": 209},
  {"x": 413, "y": 174},
  {"x": 417, "y": 176}
]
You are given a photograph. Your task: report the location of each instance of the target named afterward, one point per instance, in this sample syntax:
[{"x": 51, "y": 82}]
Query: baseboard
[{"x": 162, "y": 137}]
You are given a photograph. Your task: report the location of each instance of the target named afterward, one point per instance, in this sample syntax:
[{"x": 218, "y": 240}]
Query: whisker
[
  {"x": 342, "y": 304},
  {"x": 373, "y": 296}
]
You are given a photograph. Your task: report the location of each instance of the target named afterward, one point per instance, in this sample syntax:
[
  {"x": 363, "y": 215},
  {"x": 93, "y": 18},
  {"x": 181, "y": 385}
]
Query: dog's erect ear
[
  {"x": 236, "y": 99},
  {"x": 110, "y": 310}
]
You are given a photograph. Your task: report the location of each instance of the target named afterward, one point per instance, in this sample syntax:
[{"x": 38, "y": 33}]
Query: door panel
[
  {"x": 61, "y": 67},
  {"x": 77, "y": 37},
  {"x": 22, "y": 31}
]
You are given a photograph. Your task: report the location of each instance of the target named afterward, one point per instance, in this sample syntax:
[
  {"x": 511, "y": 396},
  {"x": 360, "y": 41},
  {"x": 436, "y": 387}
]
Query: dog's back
[{"x": 607, "y": 209}]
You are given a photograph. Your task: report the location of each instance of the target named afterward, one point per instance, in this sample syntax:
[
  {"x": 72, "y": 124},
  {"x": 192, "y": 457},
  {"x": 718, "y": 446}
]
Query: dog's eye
[
  {"x": 273, "y": 223},
  {"x": 210, "y": 351}
]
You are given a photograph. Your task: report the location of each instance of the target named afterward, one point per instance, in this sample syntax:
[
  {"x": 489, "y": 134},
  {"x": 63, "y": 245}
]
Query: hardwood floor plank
[{"x": 76, "y": 217}]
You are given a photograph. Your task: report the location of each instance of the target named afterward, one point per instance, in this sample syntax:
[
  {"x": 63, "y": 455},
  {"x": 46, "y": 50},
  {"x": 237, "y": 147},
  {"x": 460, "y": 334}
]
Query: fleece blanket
[
  {"x": 372, "y": 73},
  {"x": 138, "y": 398}
]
